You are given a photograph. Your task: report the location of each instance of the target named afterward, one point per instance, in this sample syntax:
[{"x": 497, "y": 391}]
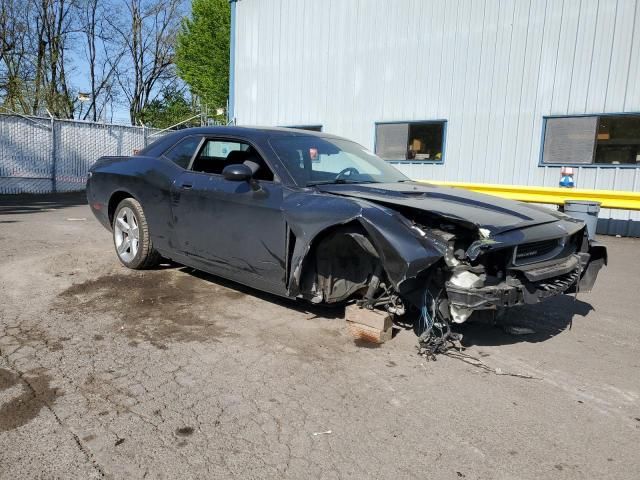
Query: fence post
[{"x": 54, "y": 169}]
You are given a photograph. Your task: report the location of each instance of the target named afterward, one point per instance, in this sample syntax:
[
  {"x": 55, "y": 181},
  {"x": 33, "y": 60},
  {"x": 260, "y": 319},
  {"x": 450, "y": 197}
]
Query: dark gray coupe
[{"x": 315, "y": 216}]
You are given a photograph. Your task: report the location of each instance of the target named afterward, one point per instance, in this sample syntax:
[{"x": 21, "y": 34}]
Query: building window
[
  {"x": 592, "y": 140},
  {"x": 423, "y": 141}
]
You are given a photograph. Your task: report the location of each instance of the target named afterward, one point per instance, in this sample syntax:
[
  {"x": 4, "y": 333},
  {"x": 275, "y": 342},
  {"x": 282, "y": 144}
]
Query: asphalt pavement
[{"x": 172, "y": 373}]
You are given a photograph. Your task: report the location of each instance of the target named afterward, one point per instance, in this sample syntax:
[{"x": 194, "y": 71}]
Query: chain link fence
[{"x": 43, "y": 155}]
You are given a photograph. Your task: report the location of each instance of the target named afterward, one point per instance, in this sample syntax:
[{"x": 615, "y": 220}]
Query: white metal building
[{"x": 486, "y": 91}]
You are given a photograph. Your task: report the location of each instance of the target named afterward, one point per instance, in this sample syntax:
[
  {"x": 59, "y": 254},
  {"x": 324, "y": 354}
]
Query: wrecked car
[{"x": 310, "y": 215}]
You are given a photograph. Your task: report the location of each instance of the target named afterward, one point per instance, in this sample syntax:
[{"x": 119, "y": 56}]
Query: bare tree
[
  {"x": 147, "y": 31},
  {"x": 34, "y": 42},
  {"x": 51, "y": 26},
  {"x": 126, "y": 45},
  {"x": 15, "y": 63},
  {"x": 58, "y": 26},
  {"x": 102, "y": 53}
]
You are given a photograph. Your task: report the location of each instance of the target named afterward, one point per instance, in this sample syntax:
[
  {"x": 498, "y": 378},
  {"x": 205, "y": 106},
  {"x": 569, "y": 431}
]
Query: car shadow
[
  {"x": 19, "y": 204},
  {"x": 546, "y": 320},
  {"x": 317, "y": 311}
]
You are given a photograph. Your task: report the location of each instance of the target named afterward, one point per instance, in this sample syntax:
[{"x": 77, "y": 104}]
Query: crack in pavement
[{"x": 27, "y": 406}]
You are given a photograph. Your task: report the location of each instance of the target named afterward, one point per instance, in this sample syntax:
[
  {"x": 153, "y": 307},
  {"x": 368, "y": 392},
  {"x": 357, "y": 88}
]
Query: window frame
[
  {"x": 228, "y": 138},
  {"x": 542, "y": 163},
  {"x": 442, "y": 121}
]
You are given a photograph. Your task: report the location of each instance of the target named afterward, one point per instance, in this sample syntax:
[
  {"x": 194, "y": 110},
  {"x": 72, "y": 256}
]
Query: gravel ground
[{"x": 171, "y": 373}]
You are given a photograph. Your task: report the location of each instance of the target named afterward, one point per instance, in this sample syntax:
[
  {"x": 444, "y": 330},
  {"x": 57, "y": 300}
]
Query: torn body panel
[{"x": 400, "y": 251}]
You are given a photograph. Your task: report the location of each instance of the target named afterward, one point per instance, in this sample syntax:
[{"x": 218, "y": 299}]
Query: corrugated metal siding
[{"x": 492, "y": 68}]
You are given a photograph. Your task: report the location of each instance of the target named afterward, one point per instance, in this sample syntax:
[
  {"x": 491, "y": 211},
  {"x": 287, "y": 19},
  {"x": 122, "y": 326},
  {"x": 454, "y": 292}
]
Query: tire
[{"x": 131, "y": 237}]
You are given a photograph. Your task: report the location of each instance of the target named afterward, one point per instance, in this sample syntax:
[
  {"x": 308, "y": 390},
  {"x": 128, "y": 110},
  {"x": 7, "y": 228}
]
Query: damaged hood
[{"x": 498, "y": 215}]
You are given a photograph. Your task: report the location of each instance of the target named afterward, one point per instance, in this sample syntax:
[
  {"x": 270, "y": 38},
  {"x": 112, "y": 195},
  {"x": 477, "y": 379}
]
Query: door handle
[{"x": 186, "y": 186}]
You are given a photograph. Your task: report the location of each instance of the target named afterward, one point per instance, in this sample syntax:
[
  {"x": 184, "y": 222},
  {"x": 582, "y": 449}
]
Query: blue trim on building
[
  {"x": 412, "y": 162},
  {"x": 581, "y": 165},
  {"x": 232, "y": 64}
]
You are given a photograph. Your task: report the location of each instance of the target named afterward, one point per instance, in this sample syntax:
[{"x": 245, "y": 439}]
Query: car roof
[
  {"x": 255, "y": 130},
  {"x": 252, "y": 132}
]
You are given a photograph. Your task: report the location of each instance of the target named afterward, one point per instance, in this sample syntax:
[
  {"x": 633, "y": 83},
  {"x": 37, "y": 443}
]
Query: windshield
[{"x": 318, "y": 160}]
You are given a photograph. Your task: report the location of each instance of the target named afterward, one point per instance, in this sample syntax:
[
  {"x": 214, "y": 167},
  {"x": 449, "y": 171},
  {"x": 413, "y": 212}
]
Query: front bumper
[{"x": 534, "y": 283}]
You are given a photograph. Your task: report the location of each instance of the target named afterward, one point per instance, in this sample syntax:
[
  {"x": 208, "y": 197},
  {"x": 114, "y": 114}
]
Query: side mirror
[{"x": 237, "y": 172}]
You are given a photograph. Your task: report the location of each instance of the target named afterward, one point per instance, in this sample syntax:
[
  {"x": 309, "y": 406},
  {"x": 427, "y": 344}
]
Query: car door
[{"x": 235, "y": 229}]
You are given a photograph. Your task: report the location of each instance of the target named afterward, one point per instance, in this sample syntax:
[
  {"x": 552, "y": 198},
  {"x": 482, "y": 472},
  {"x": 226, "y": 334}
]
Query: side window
[
  {"x": 217, "y": 154},
  {"x": 181, "y": 152}
]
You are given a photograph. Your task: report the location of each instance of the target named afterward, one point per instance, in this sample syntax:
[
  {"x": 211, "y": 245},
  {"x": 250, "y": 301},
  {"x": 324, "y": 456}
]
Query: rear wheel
[{"x": 131, "y": 236}]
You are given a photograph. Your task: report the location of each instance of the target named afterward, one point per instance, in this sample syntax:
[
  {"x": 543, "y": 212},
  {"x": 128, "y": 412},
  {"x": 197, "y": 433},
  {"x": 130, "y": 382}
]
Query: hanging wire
[
  {"x": 426, "y": 321},
  {"x": 436, "y": 336}
]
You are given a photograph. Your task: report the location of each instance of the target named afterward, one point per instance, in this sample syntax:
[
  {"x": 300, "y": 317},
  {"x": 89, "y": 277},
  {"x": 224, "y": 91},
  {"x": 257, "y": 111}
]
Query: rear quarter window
[{"x": 182, "y": 152}]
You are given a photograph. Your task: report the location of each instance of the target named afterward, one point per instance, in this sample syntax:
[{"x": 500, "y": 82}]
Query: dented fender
[{"x": 402, "y": 252}]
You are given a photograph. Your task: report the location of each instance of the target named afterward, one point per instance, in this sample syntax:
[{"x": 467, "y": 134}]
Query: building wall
[{"x": 492, "y": 68}]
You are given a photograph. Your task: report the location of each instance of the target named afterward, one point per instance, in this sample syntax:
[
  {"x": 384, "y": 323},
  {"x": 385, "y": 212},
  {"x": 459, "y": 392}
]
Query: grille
[
  {"x": 556, "y": 285},
  {"x": 534, "y": 250}
]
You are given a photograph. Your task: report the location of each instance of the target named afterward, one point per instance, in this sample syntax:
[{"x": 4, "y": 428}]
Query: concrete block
[
  {"x": 371, "y": 318},
  {"x": 369, "y": 325},
  {"x": 369, "y": 334}
]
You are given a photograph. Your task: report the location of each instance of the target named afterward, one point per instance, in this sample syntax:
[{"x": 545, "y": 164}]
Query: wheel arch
[
  {"x": 114, "y": 200},
  {"x": 402, "y": 255},
  {"x": 361, "y": 242}
]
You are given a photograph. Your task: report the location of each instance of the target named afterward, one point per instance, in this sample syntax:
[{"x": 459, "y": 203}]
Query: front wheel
[{"x": 131, "y": 236}]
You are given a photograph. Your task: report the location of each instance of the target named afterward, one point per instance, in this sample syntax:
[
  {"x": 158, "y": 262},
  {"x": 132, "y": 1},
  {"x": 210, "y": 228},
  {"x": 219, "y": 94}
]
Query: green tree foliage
[
  {"x": 202, "y": 52},
  {"x": 170, "y": 108}
]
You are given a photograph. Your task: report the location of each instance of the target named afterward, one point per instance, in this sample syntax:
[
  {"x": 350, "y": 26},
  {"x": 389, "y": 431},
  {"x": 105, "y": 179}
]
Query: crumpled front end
[
  {"x": 525, "y": 273},
  {"x": 392, "y": 250},
  {"x": 485, "y": 269}
]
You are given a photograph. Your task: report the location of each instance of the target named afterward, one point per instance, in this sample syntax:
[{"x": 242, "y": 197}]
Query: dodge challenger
[{"x": 314, "y": 216}]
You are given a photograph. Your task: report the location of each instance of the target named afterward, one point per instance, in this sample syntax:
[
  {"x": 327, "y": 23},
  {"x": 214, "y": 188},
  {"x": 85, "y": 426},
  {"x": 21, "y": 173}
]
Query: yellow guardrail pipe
[{"x": 551, "y": 195}]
